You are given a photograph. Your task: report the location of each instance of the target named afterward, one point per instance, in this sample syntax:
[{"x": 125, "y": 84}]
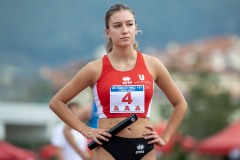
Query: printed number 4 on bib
[{"x": 127, "y": 99}]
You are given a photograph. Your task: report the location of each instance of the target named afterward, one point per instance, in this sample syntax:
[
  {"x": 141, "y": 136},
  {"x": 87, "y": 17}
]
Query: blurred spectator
[
  {"x": 234, "y": 154},
  {"x": 93, "y": 122},
  {"x": 69, "y": 143}
]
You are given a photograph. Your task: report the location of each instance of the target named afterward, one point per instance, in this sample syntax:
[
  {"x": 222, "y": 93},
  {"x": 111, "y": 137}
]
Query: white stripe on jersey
[
  {"x": 149, "y": 109},
  {"x": 97, "y": 101}
]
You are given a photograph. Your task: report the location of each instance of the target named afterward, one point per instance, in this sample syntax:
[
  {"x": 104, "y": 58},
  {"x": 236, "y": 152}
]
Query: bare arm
[
  {"x": 165, "y": 82},
  {"x": 82, "y": 80},
  {"x": 86, "y": 77},
  {"x": 71, "y": 141},
  {"x": 174, "y": 95}
]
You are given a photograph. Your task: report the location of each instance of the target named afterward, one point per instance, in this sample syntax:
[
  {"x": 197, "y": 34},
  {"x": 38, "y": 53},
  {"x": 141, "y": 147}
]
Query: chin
[{"x": 125, "y": 44}]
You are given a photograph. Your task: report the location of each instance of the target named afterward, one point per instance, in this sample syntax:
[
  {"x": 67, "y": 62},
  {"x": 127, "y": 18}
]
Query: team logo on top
[
  {"x": 141, "y": 77},
  {"x": 126, "y": 80}
]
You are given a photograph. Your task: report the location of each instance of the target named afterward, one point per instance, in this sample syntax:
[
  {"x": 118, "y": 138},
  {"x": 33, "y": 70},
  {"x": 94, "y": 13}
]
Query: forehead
[{"x": 121, "y": 16}]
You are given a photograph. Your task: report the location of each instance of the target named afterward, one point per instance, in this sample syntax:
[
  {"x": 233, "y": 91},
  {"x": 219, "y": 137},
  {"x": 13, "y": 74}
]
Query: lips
[{"x": 125, "y": 38}]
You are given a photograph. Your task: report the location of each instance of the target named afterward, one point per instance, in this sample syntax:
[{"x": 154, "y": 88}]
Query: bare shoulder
[
  {"x": 154, "y": 65},
  {"x": 152, "y": 61},
  {"x": 94, "y": 66},
  {"x": 93, "y": 69},
  {"x": 149, "y": 59}
]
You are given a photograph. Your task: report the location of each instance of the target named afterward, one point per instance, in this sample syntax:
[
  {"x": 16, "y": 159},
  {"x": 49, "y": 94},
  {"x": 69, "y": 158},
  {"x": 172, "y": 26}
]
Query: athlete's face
[{"x": 122, "y": 28}]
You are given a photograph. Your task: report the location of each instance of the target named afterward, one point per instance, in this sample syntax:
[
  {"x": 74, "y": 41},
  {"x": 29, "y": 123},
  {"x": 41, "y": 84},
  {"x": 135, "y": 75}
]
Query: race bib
[{"x": 127, "y": 99}]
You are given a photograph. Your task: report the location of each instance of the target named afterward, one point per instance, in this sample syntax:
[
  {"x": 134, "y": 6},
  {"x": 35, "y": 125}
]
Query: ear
[{"x": 107, "y": 33}]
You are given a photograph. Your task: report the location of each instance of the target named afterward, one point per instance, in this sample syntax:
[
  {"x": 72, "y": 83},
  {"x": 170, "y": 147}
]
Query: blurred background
[{"x": 44, "y": 43}]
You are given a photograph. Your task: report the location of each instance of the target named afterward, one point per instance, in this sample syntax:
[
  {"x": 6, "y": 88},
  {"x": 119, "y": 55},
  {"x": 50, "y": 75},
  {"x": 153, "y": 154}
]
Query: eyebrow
[{"x": 120, "y": 22}]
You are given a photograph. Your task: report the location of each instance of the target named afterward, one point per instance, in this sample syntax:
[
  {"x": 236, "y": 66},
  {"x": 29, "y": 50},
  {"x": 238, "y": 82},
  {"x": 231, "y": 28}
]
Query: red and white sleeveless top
[{"x": 118, "y": 94}]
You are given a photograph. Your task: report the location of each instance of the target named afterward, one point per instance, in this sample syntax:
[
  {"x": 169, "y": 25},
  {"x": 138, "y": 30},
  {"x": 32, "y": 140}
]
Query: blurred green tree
[{"x": 210, "y": 107}]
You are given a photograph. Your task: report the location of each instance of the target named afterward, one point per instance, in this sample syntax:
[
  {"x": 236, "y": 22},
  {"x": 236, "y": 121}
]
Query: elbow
[
  {"x": 182, "y": 106},
  {"x": 185, "y": 106},
  {"x": 52, "y": 104}
]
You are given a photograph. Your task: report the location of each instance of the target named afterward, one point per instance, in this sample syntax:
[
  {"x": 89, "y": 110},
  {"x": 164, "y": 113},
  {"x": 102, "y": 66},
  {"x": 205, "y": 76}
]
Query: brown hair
[{"x": 110, "y": 12}]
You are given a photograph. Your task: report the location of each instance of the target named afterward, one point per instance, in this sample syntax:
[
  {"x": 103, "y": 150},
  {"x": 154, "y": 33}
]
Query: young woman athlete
[{"x": 122, "y": 83}]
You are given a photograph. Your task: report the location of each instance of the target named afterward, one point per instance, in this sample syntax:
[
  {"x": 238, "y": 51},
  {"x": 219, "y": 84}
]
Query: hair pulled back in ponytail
[{"x": 110, "y": 12}]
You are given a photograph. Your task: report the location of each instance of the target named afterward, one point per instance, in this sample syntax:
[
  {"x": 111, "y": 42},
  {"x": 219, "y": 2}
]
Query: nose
[{"x": 124, "y": 29}]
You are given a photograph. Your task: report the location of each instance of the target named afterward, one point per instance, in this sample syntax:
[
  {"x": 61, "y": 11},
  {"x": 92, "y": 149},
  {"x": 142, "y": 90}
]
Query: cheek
[
  {"x": 133, "y": 34},
  {"x": 134, "y": 30},
  {"x": 114, "y": 34}
]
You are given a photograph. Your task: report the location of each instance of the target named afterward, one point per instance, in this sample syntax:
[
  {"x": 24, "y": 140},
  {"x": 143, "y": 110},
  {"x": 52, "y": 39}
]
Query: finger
[
  {"x": 150, "y": 137},
  {"x": 153, "y": 141},
  {"x": 150, "y": 127},
  {"x": 147, "y": 133},
  {"x": 102, "y": 138},
  {"x": 97, "y": 141},
  {"x": 106, "y": 134}
]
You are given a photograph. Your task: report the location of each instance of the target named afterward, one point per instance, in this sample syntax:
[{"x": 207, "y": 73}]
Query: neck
[
  {"x": 124, "y": 59},
  {"x": 123, "y": 52}
]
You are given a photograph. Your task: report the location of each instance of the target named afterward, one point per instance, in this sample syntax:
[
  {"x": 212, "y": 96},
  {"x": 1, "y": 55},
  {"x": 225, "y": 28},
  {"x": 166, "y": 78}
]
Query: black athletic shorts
[{"x": 128, "y": 148}]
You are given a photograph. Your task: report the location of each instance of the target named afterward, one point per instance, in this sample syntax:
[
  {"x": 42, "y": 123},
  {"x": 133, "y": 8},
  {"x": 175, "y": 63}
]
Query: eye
[
  {"x": 130, "y": 24},
  {"x": 117, "y": 26}
]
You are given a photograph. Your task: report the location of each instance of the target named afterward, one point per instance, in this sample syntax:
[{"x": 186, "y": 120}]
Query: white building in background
[{"x": 28, "y": 122}]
